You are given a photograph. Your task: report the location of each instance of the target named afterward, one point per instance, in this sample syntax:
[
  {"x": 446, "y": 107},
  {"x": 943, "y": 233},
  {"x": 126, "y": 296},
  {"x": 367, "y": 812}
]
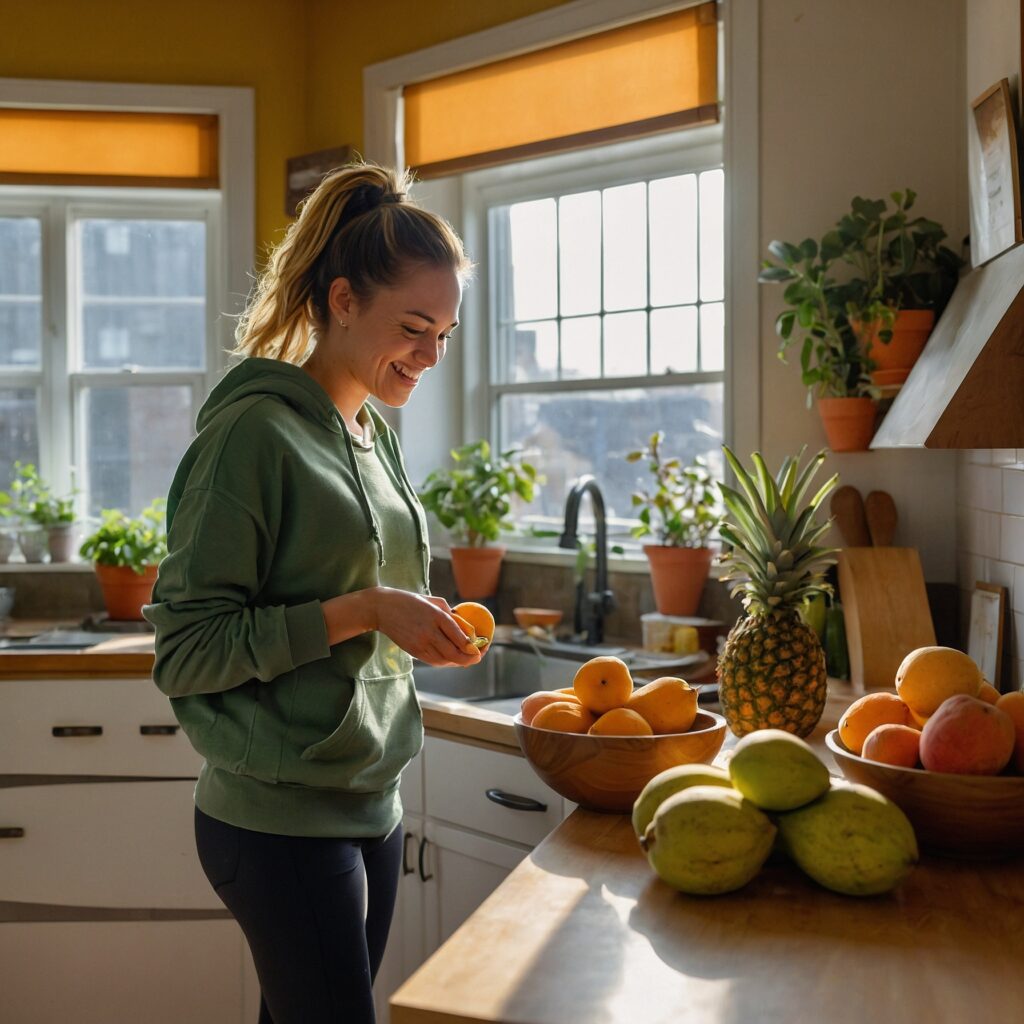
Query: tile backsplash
[{"x": 990, "y": 539}]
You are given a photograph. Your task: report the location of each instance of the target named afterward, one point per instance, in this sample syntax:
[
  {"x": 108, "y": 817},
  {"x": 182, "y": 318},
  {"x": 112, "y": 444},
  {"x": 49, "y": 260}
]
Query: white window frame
[{"x": 229, "y": 214}]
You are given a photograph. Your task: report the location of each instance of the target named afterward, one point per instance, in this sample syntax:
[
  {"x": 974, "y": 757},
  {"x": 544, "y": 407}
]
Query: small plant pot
[
  {"x": 895, "y": 360},
  {"x": 124, "y": 590},
  {"x": 678, "y": 576},
  {"x": 33, "y": 544},
  {"x": 61, "y": 542},
  {"x": 8, "y": 542},
  {"x": 849, "y": 423},
  {"x": 477, "y": 570}
]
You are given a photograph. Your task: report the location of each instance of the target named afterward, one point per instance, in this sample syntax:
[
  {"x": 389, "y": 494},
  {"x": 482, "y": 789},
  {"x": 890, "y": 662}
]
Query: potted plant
[
  {"x": 125, "y": 553},
  {"x": 904, "y": 278},
  {"x": 46, "y": 521},
  {"x": 473, "y": 500},
  {"x": 679, "y": 512}
]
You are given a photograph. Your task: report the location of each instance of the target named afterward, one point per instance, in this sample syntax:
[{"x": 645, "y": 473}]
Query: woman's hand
[{"x": 421, "y": 626}]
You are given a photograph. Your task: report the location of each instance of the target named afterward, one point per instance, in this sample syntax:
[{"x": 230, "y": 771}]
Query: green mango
[
  {"x": 673, "y": 780},
  {"x": 777, "y": 771}
]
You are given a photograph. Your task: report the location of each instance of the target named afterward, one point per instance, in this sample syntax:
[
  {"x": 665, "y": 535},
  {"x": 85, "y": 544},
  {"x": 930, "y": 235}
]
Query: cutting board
[{"x": 885, "y": 608}]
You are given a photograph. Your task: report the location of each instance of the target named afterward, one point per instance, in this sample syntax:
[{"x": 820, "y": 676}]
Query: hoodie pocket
[{"x": 334, "y": 744}]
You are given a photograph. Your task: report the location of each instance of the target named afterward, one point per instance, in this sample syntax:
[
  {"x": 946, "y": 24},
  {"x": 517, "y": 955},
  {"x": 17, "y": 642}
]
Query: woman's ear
[{"x": 340, "y": 299}]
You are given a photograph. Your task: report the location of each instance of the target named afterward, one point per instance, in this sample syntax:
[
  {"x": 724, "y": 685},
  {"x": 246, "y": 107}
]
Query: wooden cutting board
[{"x": 885, "y": 608}]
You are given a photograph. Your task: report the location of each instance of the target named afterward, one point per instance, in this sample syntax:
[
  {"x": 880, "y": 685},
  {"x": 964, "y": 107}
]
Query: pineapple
[{"x": 771, "y": 673}]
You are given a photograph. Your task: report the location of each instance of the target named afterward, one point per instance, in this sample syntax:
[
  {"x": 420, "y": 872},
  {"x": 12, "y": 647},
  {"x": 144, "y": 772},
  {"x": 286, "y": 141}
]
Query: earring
[{"x": 342, "y": 323}]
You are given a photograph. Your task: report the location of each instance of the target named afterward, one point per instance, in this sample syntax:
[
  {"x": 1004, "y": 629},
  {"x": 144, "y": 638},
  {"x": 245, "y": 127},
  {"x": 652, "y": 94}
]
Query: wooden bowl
[
  {"x": 969, "y": 816},
  {"x": 546, "y": 617},
  {"x": 606, "y": 773}
]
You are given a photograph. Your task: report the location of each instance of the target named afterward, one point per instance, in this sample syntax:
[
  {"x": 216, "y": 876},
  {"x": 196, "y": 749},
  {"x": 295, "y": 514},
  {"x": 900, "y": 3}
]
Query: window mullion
[{"x": 56, "y": 453}]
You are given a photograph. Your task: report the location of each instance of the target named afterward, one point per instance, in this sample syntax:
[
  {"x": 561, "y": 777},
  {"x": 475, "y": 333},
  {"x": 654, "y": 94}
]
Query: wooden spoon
[
  {"x": 847, "y": 507},
  {"x": 880, "y": 511}
]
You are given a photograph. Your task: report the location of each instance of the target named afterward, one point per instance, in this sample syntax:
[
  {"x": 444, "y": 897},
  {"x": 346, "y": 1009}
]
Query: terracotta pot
[
  {"x": 124, "y": 590},
  {"x": 893, "y": 362},
  {"x": 849, "y": 423},
  {"x": 678, "y": 576},
  {"x": 476, "y": 571}
]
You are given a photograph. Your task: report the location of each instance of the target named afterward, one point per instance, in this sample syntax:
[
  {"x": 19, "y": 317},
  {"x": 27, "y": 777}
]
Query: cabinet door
[
  {"x": 101, "y": 972},
  {"x": 406, "y": 941},
  {"x": 463, "y": 869}
]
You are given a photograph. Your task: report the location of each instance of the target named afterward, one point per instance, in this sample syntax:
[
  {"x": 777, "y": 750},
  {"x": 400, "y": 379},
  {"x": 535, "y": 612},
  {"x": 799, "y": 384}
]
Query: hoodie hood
[{"x": 272, "y": 377}]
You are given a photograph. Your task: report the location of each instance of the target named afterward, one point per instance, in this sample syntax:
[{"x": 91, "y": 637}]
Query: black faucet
[{"x": 601, "y": 600}]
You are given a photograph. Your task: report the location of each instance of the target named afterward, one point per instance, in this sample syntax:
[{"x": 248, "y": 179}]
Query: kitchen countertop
[{"x": 583, "y": 931}]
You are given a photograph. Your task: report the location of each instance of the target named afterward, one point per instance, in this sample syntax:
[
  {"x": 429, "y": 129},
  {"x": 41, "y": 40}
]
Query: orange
[
  {"x": 563, "y": 716},
  {"x": 893, "y": 744},
  {"x": 667, "y": 705},
  {"x": 569, "y": 690},
  {"x": 602, "y": 684},
  {"x": 988, "y": 693},
  {"x": 867, "y": 713},
  {"x": 467, "y": 628},
  {"x": 1013, "y": 704},
  {"x": 541, "y": 699},
  {"x": 620, "y": 722},
  {"x": 928, "y": 676},
  {"x": 478, "y": 617}
]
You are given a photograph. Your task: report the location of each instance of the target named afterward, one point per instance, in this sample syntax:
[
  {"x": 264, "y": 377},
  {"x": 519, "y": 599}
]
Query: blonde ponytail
[{"x": 358, "y": 224}]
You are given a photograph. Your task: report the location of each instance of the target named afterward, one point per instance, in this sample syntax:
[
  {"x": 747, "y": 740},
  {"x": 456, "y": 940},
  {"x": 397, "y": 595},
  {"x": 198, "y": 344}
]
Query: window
[
  {"x": 106, "y": 337},
  {"x": 607, "y": 315}
]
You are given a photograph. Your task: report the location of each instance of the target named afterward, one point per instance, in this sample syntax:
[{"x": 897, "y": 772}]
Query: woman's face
[{"x": 400, "y": 333}]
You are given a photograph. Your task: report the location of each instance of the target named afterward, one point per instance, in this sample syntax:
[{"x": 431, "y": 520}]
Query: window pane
[
  {"x": 134, "y": 437},
  {"x": 536, "y": 351},
  {"x": 579, "y": 239},
  {"x": 673, "y": 221},
  {"x": 534, "y": 274},
  {"x": 592, "y": 432},
  {"x": 674, "y": 340},
  {"x": 625, "y": 246},
  {"x": 712, "y": 337},
  {"x": 581, "y": 347},
  {"x": 21, "y": 306},
  {"x": 142, "y": 293},
  {"x": 19, "y": 430},
  {"x": 625, "y": 345},
  {"x": 712, "y": 236}
]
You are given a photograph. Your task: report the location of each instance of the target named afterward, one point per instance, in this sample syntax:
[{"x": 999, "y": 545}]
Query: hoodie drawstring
[{"x": 364, "y": 501}]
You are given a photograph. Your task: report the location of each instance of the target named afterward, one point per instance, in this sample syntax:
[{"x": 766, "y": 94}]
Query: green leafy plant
[
  {"x": 679, "y": 511},
  {"x": 134, "y": 543},
  {"x": 33, "y": 501},
  {"x": 473, "y": 499}
]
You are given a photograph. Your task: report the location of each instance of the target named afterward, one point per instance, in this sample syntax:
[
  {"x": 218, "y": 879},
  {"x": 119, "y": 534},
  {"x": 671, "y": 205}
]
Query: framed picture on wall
[
  {"x": 993, "y": 175},
  {"x": 985, "y": 636}
]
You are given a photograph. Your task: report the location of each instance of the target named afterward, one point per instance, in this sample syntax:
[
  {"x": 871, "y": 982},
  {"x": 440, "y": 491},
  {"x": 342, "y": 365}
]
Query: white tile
[
  {"x": 1001, "y": 573},
  {"x": 980, "y": 456},
  {"x": 970, "y": 569},
  {"x": 982, "y": 535},
  {"x": 1013, "y": 491},
  {"x": 982, "y": 487},
  {"x": 1004, "y": 456},
  {"x": 1011, "y": 546},
  {"x": 1017, "y": 596}
]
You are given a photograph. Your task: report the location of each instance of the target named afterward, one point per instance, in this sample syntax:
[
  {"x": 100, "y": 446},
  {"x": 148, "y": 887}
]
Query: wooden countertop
[{"x": 583, "y": 931}]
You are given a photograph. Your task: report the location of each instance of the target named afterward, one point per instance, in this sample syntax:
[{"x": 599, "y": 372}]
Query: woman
[{"x": 295, "y": 591}]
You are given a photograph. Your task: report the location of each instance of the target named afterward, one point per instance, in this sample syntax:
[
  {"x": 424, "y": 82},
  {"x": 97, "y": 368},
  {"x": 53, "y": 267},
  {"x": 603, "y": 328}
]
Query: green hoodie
[{"x": 272, "y": 510}]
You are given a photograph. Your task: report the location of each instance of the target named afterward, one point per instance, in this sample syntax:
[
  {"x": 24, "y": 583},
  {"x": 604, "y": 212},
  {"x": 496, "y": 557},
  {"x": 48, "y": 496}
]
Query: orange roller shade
[
  {"x": 650, "y": 76},
  {"x": 93, "y": 147}
]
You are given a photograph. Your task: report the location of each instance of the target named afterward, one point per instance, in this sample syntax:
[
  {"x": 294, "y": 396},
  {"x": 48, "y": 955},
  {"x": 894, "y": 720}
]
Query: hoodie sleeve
[{"x": 209, "y": 635}]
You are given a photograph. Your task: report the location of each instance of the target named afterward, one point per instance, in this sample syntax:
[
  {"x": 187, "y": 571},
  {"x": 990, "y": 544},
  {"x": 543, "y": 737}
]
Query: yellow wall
[{"x": 303, "y": 58}]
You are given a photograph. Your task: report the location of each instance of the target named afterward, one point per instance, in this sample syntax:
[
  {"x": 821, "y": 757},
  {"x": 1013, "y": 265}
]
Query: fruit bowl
[
  {"x": 606, "y": 773},
  {"x": 546, "y": 618},
  {"x": 967, "y": 816}
]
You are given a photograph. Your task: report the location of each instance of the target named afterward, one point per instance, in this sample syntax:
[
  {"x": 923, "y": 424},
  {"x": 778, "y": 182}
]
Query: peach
[
  {"x": 1013, "y": 705},
  {"x": 898, "y": 745},
  {"x": 966, "y": 736}
]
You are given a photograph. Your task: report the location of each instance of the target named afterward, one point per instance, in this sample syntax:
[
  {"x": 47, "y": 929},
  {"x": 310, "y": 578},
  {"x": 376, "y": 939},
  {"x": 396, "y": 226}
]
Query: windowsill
[{"x": 44, "y": 567}]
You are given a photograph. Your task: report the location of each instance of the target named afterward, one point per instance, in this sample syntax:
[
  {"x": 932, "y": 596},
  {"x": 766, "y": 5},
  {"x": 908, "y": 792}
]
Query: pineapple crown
[{"x": 772, "y": 534}]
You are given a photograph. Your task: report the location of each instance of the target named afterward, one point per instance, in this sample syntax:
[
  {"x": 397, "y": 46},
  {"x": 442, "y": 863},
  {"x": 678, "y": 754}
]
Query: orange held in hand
[
  {"x": 869, "y": 712},
  {"x": 602, "y": 684},
  {"x": 479, "y": 620},
  {"x": 541, "y": 699},
  {"x": 563, "y": 716},
  {"x": 668, "y": 704},
  {"x": 898, "y": 745},
  {"x": 620, "y": 722}
]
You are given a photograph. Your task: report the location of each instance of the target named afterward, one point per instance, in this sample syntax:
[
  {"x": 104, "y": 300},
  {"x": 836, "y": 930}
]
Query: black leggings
[{"x": 300, "y": 902}]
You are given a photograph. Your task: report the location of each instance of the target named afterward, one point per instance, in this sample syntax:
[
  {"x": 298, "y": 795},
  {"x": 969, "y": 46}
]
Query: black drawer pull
[
  {"x": 423, "y": 852},
  {"x": 77, "y": 730},
  {"x": 406, "y": 870},
  {"x": 515, "y": 803},
  {"x": 12, "y": 833},
  {"x": 158, "y": 730}
]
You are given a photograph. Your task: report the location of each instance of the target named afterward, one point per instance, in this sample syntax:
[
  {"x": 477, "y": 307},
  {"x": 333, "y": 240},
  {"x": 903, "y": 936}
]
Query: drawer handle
[
  {"x": 406, "y": 870},
  {"x": 423, "y": 852},
  {"x": 12, "y": 833},
  {"x": 158, "y": 730},
  {"x": 63, "y": 731},
  {"x": 515, "y": 803}
]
